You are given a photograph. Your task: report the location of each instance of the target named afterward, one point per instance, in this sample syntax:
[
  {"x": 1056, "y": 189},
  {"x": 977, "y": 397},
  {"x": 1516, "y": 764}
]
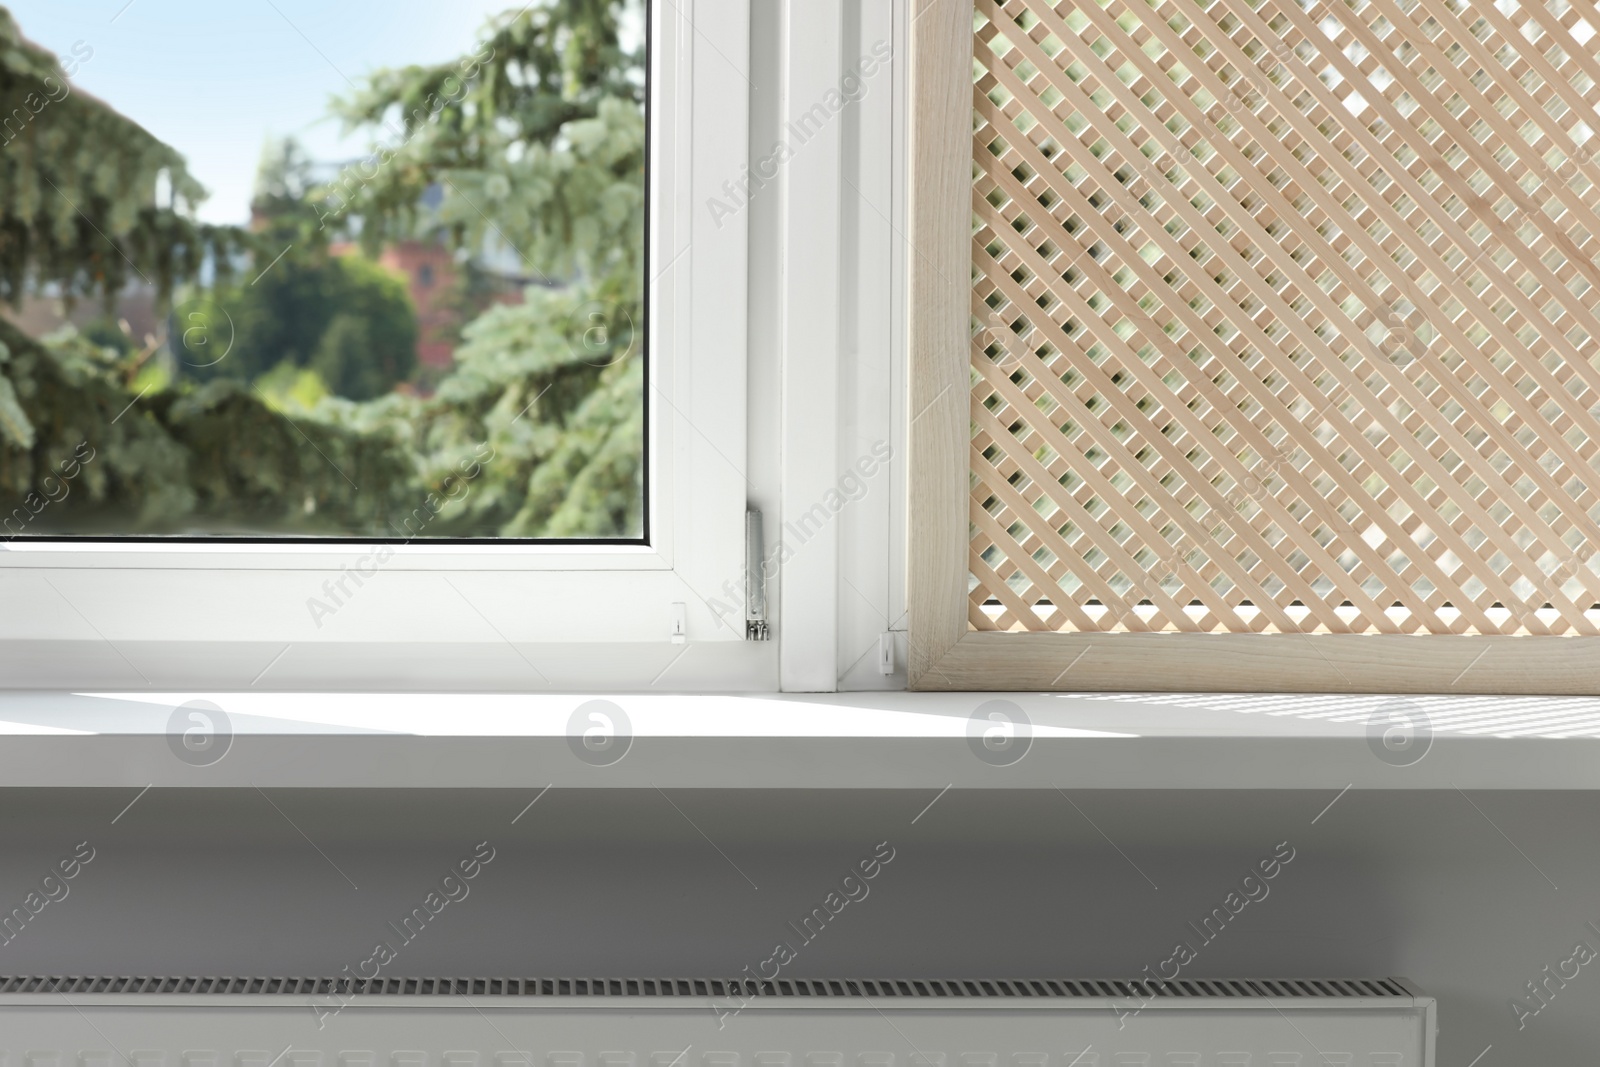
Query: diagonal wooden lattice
[{"x": 1285, "y": 316}]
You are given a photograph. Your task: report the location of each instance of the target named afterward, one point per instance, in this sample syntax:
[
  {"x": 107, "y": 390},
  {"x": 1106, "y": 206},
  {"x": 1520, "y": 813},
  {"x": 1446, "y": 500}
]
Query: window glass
[{"x": 367, "y": 270}]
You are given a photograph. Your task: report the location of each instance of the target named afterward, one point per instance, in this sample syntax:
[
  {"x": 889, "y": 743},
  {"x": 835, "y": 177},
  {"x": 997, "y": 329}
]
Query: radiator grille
[
  {"x": 1276, "y": 314},
  {"x": 713, "y": 987}
]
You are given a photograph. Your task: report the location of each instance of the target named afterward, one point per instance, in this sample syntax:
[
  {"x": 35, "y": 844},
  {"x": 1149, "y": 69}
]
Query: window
[
  {"x": 340, "y": 594},
  {"x": 397, "y": 296}
]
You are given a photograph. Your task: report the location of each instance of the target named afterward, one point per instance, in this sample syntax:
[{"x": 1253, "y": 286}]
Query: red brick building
[
  {"x": 432, "y": 281},
  {"x": 431, "y": 274}
]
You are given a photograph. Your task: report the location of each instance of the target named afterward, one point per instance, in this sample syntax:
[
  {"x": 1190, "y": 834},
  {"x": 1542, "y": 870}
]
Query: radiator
[{"x": 679, "y": 1022}]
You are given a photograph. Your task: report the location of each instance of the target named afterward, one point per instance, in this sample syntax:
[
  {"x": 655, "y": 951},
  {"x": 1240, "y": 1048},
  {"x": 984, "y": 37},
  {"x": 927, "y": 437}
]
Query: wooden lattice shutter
[{"x": 1278, "y": 323}]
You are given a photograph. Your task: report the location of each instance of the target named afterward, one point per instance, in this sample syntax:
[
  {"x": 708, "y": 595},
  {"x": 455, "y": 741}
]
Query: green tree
[
  {"x": 286, "y": 315},
  {"x": 89, "y": 200},
  {"x": 370, "y": 344},
  {"x": 306, "y": 307},
  {"x": 536, "y": 141},
  {"x": 277, "y": 203}
]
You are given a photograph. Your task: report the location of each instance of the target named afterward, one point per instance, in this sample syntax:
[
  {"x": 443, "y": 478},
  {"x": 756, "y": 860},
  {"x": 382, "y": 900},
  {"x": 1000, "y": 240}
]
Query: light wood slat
[
  {"x": 1436, "y": 165},
  {"x": 1393, "y": 376},
  {"x": 1584, "y": 365},
  {"x": 1554, "y": 31},
  {"x": 1252, "y": 358},
  {"x": 1221, "y": 301},
  {"x": 1357, "y": 287},
  {"x": 1493, "y": 323},
  {"x": 1408, "y": 184},
  {"x": 1103, "y": 437},
  {"x": 1106, "y": 492},
  {"x": 1097, "y": 586},
  {"x": 939, "y": 122},
  {"x": 1211, "y": 497},
  {"x": 1505, "y": 176},
  {"x": 1018, "y": 612},
  {"x": 1273, "y": 663},
  {"x": 1154, "y": 385},
  {"x": 999, "y": 535},
  {"x": 1471, "y": 356},
  {"x": 1260, "y": 444}
]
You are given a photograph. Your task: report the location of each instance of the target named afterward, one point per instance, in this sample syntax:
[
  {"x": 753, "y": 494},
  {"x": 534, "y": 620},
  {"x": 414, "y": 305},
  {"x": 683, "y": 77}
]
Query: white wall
[{"x": 596, "y": 883}]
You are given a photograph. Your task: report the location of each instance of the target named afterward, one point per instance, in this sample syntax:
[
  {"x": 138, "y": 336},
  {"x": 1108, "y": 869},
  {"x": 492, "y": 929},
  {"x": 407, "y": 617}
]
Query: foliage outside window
[{"x": 443, "y": 339}]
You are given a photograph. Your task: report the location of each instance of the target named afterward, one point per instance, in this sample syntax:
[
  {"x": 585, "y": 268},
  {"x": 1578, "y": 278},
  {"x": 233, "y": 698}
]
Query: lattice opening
[{"x": 1285, "y": 317}]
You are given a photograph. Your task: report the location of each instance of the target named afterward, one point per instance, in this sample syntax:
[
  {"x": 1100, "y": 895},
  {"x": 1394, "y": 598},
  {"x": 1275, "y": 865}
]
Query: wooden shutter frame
[
  {"x": 939, "y": 282},
  {"x": 944, "y": 654}
]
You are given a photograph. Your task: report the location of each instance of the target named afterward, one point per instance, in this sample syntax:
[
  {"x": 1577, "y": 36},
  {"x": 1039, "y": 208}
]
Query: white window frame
[{"x": 191, "y": 595}]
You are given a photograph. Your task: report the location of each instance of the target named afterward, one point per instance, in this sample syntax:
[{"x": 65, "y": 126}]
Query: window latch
[{"x": 755, "y": 579}]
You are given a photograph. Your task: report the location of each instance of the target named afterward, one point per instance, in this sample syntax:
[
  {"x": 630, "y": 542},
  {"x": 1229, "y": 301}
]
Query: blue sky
[{"x": 213, "y": 78}]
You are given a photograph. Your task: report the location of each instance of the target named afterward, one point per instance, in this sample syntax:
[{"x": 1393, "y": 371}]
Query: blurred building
[
  {"x": 134, "y": 311},
  {"x": 445, "y": 293}
]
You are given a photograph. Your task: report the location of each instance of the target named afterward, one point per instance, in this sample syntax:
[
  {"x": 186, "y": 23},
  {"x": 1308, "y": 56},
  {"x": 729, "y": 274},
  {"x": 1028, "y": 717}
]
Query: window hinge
[{"x": 755, "y": 579}]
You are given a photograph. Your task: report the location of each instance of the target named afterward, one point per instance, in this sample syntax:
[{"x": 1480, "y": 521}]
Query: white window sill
[{"x": 842, "y": 741}]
